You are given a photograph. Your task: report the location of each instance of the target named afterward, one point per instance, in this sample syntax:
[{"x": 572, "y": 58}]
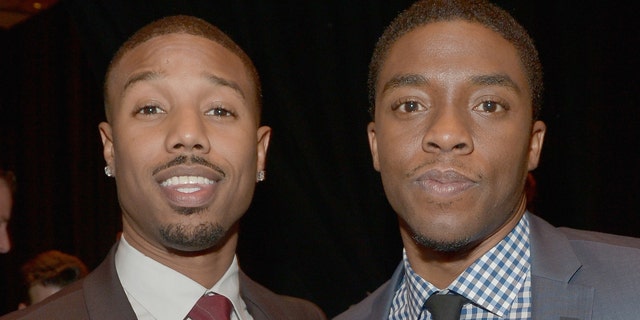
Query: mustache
[
  {"x": 182, "y": 159},
  {"x": 453, "y": 162}
]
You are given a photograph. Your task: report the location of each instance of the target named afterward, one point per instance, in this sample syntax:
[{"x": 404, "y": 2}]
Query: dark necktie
[
  {"x": 211, "y": 306},
  {"x": 445, "y": 306}
]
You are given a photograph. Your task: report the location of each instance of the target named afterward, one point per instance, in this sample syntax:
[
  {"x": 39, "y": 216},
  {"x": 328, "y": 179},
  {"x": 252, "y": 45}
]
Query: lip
[
  {"x": 445, "y": 183},
  {"x": 189, "y": 186}
]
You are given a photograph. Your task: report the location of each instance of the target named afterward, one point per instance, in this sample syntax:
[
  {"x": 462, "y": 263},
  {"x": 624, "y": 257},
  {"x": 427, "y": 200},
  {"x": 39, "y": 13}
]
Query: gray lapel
[
  {"x": 553, "y": 264},
  {"x": 382, "y": 305},
  {"x": 557, "y": 300}
]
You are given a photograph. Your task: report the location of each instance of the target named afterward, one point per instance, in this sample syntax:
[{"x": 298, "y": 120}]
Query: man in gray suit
[
  {"x": 184, "y": 142},
  {"x": 455, "y": 89}
]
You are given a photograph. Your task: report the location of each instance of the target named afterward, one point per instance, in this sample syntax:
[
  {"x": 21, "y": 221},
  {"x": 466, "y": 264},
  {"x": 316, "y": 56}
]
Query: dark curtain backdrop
[{"x": 319, "y": 227}]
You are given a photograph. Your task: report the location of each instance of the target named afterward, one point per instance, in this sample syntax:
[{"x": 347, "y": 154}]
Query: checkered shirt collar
[{"x": 492, "y": 282}]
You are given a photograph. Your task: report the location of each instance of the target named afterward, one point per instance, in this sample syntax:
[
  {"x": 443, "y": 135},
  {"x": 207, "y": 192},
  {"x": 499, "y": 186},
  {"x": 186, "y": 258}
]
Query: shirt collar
[
  {"x": 491, "y": 282},
  {"x": 147, "y": 283}
]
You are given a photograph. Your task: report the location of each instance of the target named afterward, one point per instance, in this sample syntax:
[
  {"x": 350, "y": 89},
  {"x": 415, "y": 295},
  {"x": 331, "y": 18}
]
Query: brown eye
[
  {"x": 220, "y": 112},
  {"x": 410, "y": 106},
  {"x": 149, "y": 110},
  {"x": 490, "y": 106}
]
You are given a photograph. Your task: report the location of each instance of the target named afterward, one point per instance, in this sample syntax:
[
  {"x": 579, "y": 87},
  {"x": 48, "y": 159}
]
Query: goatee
[{"x": 193, "y": 238}]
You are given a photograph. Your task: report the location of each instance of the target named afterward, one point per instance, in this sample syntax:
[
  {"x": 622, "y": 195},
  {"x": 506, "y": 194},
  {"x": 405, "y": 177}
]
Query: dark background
[{"x": 319, "y": 227}]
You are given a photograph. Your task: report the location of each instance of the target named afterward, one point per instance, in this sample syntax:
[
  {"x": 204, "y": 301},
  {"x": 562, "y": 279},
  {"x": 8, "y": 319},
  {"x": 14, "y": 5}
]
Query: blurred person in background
[
  {"x": 48, "y": 272},
  {"x": 7, "y": 191}
]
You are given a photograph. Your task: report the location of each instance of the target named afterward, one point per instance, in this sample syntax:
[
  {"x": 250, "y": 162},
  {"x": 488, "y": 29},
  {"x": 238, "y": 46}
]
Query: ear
[
  {"x": 373, "y": 145},
  {"x": 107, "y": 145},
  {"x": 264, "y": 135},
  {"x": 535, "y": 144}
]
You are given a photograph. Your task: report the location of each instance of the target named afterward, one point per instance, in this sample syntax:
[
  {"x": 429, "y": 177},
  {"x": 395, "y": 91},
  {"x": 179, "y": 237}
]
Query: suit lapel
[
  {"x": 378, "y": 304},
  {"x": 553, "y": 264},
  {"x": 382, "y": 305},
  {"x": 104, "y": 296},
  {"x": 258, "y": 305}
]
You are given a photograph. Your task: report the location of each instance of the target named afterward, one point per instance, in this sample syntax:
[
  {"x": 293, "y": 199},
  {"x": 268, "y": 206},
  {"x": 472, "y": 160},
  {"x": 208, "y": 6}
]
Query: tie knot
[
  {"x": 211, "y": 306},
  {"x": 445, "y": 306}
]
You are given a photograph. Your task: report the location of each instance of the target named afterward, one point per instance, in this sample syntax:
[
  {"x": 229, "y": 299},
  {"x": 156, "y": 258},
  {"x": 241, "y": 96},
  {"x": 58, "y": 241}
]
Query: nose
[
  {"x": 187, "y": 131},
  {"x": 5, "y": 242},
  {"x": 448, "y": 131}
]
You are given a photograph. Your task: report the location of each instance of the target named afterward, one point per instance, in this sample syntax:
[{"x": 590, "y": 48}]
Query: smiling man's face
[{"x": 183, "y": 140}]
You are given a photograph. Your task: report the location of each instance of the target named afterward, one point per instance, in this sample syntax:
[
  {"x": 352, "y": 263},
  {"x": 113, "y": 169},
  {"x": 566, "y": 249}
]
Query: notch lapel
[
  {"x": 104, "y": 296},
  {"x": 553, "y": 264}
]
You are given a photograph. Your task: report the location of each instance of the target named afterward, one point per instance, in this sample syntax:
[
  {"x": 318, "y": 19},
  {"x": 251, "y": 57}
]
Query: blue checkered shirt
[{"x": 498, "y": 284}]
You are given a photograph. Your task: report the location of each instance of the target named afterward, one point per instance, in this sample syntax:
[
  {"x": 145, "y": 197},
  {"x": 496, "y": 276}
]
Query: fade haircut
[
  {"x": 477, "y": 11},
  {"x": 183, "y": 24}
]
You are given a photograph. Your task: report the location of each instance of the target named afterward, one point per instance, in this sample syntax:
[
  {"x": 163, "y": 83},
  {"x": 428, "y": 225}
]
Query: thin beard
[
  {"x": 197, "y": 238},
  {"x": 442, "y": 246}
]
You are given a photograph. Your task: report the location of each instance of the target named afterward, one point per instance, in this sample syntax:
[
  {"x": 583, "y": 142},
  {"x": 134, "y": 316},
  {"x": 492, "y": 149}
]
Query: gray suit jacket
[
  {"x": 574, "y": 275},
  {"x": 101, "y": 296}
]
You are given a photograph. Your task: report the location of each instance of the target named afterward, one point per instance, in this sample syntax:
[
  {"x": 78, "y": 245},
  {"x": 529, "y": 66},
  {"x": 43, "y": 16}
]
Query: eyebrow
[
  {"x": 497, "y": 79},
  {"x": 154, "y": 75},
  {"x": 405, "y": 80},
  {"x": 142, "y": 76},
  {"x": 224, "y": 82},
  {"x": 416, "y": 80}
]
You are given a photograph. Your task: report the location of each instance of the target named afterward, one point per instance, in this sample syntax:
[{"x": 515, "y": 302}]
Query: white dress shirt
[{"x": 157, "y": 292}]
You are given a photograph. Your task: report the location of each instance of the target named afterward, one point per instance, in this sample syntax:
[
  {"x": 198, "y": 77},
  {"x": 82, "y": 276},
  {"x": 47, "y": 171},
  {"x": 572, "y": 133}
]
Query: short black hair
[
  {"x": 478, "y": 11},
  {"x": 183, "y": 24}
]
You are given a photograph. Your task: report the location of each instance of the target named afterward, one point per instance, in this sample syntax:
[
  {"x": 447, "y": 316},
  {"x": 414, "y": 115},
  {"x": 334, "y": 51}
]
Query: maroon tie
[{"x": 211, "y": 306}]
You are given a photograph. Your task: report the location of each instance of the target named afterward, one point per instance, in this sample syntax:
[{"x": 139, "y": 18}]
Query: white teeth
[
  {"x": 188, "y": 190},
  {"x": 182, "y": 180}
]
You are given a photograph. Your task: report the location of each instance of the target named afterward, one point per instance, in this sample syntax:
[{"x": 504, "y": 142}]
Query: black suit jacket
[{"x": 101, "y": 296}]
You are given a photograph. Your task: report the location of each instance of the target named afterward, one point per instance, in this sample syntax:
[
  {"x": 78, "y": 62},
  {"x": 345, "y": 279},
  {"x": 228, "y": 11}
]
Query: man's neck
[
  {"x": 442, "y": 268},
  {"x": 205, "y": 267}
]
